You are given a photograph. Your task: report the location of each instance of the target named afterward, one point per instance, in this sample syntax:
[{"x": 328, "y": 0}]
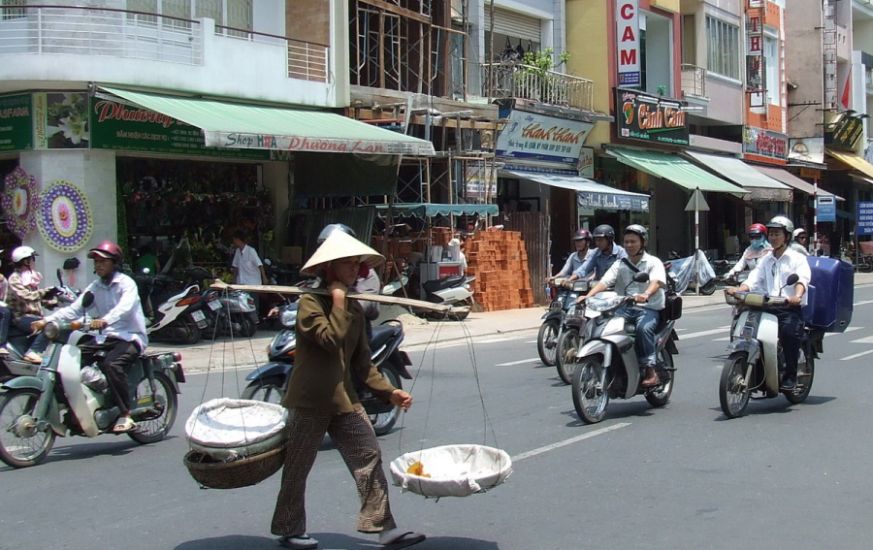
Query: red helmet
[
  {"x": 108, "y": 250},
  {"x": 757, "y": 230},
  {"x": 582, "y": 234}
]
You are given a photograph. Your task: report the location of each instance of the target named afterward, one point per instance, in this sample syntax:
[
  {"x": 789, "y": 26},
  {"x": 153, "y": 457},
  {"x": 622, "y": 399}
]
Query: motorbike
[
  {"x": 755, "y": 362},
  {"x": 563, "y": 298},
  {"x": 453, "y": 290},
  {"x": 692, "y": 272},
  {"x": 572, "y": 329},
  {"x": 231, "y": 312},
  {"x": 269, "y": 382},
  {"x": 179, "y": 317},
  {"x": 607, "y": 366},
  {"x": 65, "y": 397}
]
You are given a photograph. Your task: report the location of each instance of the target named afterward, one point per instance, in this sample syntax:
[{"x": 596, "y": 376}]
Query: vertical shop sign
[
  {"x": 586, "y": 162},
  {"x": 628, "y": 42},
  {"x": 826, "y": 208},
  {"x": 60, "y": 120},
  {"x": 480, "y": 181},
  {"x": 864, "y": 218},
  {"x": 756, "y": 83},
  {"x": 16, "y": 132}
]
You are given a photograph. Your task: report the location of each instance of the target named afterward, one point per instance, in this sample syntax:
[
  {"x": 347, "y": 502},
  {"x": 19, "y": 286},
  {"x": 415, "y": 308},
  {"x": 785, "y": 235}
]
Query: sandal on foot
[
  {"x": 299, "y": 542},
  {"x": 406, "y": 539},
  {"x": 124, "y": 425},
  {"x": 33, "y": 357}
]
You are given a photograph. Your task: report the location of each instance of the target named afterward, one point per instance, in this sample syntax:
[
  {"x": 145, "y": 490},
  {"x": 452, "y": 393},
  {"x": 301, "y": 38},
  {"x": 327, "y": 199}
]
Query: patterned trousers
[{"x": 354, "y": 438}]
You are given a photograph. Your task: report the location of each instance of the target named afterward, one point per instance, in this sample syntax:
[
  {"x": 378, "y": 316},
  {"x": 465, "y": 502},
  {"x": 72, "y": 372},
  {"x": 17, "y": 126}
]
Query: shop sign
[
  {"x": 536, "y": 138},
  {"x": 810, "y": 173},
  {"x": 480, "y": 181},
  {"x": 764, "y": 143},
  {"x": 864, "y": 218},
  {"x": 756, "y": 83},
  {"x": 806, "y": 149},
  {"x": 586, "y": 162},
  {"x": 16, "y": 124},
  {"x": 60, "y": 120},
  {"x": 236, "y": 140},
  {"x": 650, "y": 118},
  {"x": 627, "y": 37},
  {"x": 612, "y": 201},
  {"x": 126, "y": 128},
  {"x": 826, "y": 208},
  {"x": 845, "y": 133}
]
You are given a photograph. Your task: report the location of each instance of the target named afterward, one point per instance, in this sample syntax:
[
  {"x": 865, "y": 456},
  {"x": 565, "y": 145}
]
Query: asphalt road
[{"x": 679, "y": 477}]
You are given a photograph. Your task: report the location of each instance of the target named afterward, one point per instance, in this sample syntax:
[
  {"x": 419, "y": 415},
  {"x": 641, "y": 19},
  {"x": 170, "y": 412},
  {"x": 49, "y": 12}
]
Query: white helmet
[
  {"x": 799, "y": 231},
  {"x": 22, "y": 253}
]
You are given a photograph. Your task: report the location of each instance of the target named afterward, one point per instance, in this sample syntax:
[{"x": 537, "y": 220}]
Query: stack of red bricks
[{"x": 498, "y": 260}]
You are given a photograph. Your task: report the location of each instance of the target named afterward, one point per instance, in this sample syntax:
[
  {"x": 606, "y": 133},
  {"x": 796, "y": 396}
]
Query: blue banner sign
[{"x": 864, "y": 219}]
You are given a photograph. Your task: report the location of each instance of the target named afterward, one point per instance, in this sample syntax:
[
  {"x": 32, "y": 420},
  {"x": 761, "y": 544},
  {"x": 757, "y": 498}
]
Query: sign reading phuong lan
[
  {"x": 650, "y": 118},
  {"x": 627, "y": 36},
  {"x": 542, "y": 140},
  {"x": 16, "y": 131}
]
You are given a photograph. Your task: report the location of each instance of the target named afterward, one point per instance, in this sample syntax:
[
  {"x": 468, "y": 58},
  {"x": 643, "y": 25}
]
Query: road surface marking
[
  {"x": 855, "y": 356},
  {"x": 863, "y": 303},
  {"x": 564, "y": 443},
  {"x": 522, "y": 362},
  {"x": 865, "y": 340},
  {"x": 848, "y": 330},
  {"x": 723, "y": 339},
  {"x": 492, "y": 340},
  {"x": 718, "y": 330}
]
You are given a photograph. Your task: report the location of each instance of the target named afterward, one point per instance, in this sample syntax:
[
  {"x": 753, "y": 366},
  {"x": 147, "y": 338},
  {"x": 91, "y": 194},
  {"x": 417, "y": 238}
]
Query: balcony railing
[
  {"x": 138, "y": 35},
  {"x": 514, "y": 80},
  {"x": 693, "y": 81}
]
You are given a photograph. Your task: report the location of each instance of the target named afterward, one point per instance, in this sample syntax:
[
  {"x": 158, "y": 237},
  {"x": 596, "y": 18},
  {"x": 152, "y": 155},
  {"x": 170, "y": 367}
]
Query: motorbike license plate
[
  {"x": 214, "y": 305},
  {"x": 198, "y": 316}
]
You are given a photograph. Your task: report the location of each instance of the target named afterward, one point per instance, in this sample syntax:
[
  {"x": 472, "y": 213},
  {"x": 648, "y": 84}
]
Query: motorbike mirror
[
  {"x": 87, "y": 299},
  {"x": 792, "y": 279},
  {"x": 60, "y": 277}
]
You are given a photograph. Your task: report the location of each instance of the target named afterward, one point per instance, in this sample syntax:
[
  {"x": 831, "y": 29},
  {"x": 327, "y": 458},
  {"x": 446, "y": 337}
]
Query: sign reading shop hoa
[
  {"x": 16, "y": 124},
  {"x": 650, "y": 118},
  {"x": 126, "y": 128},
  {"x": 627, "y": 36},
  {"x": 764, "y": 143},
  {"x": 537, "y": 138}
]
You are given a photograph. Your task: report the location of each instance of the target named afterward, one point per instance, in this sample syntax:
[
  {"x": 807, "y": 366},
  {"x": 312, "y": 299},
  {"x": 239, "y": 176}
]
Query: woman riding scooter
[
  {"x": 757, "y": 249},
  {"x": 26, "y": 298}
]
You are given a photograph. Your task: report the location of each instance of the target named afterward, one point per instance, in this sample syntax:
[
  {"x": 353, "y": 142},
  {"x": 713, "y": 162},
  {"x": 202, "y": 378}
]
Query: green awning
[
  {"x": 431, "y": 209},
  {"x": 676, "y": 169},
  {"x": 239, "y": 126}
]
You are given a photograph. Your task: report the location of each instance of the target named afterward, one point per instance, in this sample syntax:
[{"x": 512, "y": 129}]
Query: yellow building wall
[
  {"x": 589, "y": 48},
  {"x": 669, "y": 5}
]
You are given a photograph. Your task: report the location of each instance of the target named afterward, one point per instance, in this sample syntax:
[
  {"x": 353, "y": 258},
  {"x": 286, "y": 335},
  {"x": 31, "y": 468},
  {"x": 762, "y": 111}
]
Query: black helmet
[
  {"x": 604, "y": 230},
  {"x": 330, "y": 228},
  {"x": 581, "y": 235}
]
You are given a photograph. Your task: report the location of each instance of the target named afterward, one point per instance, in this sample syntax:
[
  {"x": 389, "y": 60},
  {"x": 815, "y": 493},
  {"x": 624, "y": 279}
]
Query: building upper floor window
[
  {"x": 226, "y": 13},
  {"x": 771, "y": 66},
  {"x": 723, "y": 48},
  {"x": 12, "y": 9}
]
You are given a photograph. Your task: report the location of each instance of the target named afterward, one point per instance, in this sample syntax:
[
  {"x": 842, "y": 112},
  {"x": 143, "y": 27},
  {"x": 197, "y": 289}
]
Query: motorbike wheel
[
  {"x": 191, "y": 335},
  {"x": 565, "y": 354},
  {"x": 659, "y": 396},
  {"x": 383, "y": 422},
  {"x": 154, "y": 429},
  {"x": 732, "y": 390},
  {"x": 247, "y": 327},
  {"x": 461, "y": 315},
  {"x": 546, "y": 344},
  {"x": 21, "y": 445},
  {"x": 589, "y": 396},
  {"x": 709, "y": 288},
  {"x": 268, "y": 389},
  {"x": 805, "y": 374}
]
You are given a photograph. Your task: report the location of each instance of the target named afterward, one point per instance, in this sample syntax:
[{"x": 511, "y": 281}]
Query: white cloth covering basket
[
  {"x": 227, "y": 429},
  {"x": 454, "y": 470}
]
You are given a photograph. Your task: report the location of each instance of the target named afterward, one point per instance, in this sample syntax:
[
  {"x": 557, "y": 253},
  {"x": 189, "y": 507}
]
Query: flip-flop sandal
[
  {"x": 299, "y": 542},
  {"x": 406, "y": 539},
  {"x": 124, "y": 426}
]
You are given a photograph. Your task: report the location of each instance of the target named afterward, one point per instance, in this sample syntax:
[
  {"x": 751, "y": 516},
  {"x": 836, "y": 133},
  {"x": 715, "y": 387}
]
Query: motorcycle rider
[
  {"x": 800, "y": 241},
  {"x": 770, "y": 277},
  {"x": 606, "y": 254},
  {"x": 118, "y": 314},
  {"x": 649, "y": 298},
  {"x": 758, "y": 247},
  {"x": 582, "y": 242},
  {"x": 25, "y": 298}
]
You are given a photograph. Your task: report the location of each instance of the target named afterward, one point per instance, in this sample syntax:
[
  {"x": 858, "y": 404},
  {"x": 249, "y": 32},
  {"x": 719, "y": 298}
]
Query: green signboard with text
[
  {"x": 123, "y": 127},
  {"x": 16, "y": 122}
]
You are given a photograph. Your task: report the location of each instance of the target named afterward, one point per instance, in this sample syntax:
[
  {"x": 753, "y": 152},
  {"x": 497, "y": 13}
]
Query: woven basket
[{"x": 238, "y": 473}]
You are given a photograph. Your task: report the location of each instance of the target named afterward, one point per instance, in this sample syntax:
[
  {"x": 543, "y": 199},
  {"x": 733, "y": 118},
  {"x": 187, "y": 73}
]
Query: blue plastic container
[{"x": 831, "y": 294}]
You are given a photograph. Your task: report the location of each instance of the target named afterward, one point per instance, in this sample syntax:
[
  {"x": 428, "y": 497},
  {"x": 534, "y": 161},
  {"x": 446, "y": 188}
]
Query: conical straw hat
[{"x": 341, "y": 245}]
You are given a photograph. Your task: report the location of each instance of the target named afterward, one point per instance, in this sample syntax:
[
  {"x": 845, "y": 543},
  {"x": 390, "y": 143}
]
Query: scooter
[
  {"x": 66, "y": 398},
  {"x": 572, "y": 332},
  {"x": 177, "y": 319},
  {"x": 755, "y": 362},
  {"x": 269, "y": 382},
  {"x": 606, "y": 365},
  {"x": 563, "y": 298},
  {"x": 454, "y": 291},
  {"x": 232, "y": 313}
]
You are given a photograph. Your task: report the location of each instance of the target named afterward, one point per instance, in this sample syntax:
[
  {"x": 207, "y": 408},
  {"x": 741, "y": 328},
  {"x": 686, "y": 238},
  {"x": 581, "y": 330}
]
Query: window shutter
[{"x": 513, "y": 24}]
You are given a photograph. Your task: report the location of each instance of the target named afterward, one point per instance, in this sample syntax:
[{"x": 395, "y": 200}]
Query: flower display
[
  {"x": 20, "y": 201},
  {"x": 64, "y": 217}
]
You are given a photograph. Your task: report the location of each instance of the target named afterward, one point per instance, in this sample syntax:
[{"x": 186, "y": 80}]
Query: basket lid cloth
[{"x": 225, "y": 422}]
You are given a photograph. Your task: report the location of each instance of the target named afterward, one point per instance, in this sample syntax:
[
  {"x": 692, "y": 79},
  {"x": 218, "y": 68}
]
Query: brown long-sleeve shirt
[
  {"x": 22, "y": 299},
  {"x": 331, "y": 344}
]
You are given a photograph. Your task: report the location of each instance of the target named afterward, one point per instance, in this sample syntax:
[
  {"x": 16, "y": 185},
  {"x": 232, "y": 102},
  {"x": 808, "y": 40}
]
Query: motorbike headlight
[{"x": 288, "y": 318}]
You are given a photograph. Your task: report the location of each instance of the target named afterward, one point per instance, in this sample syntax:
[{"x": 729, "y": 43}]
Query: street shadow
[
  {"x": 89, "y": 450},
  {"x": 776, "y": 405},
  {"x": 616, "y": 410},
  {"x": 331, "y": 541}
]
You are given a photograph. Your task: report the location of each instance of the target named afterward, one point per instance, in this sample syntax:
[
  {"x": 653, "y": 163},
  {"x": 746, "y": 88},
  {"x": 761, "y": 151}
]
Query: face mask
[{"x": 758, "y": 243}]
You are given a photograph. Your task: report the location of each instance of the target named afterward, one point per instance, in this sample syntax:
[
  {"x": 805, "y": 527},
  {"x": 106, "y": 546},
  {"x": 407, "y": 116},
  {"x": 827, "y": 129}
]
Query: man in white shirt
[
  {"x": 770, "y": 276},
  {"x": 248, "y": 269},
  {"x": 117, "y": 312}
]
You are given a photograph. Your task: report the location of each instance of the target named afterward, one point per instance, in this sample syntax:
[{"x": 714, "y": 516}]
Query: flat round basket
[
  {"x": 451, "y": 470},
  {"x": 237, "y": 473}
]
